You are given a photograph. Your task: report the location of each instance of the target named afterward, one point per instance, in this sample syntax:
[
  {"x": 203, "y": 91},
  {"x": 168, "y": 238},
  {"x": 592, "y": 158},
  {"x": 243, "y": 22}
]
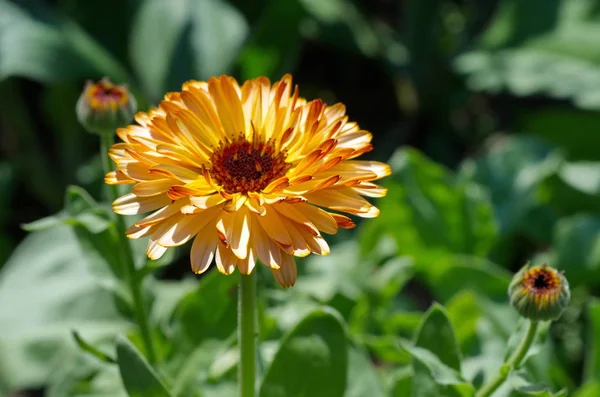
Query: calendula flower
[
  {"x": 247, "y": 172},
  {"x": 539, "y": 292},
  {"x": 104, "y": 106}
]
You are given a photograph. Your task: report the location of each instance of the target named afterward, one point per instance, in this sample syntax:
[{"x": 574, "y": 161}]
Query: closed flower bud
[
  {"x": 103, "y": 106},
  {"x": 539, "y": 292}
]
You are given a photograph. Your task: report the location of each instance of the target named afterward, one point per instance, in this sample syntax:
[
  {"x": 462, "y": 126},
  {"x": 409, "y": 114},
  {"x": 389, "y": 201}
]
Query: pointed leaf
[
  {"x": 436, "y": 334},
  {"x": 362, "y": 378},
  {"x": 433, "y": 378},
  {"x": 139, "y": 378},
  {"x": 312, "y": 359}
]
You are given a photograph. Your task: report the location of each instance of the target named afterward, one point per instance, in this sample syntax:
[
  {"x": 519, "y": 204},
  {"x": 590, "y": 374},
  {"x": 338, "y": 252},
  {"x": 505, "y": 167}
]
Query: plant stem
[
  {"x": 129, "y": 272},
  {"x": 247, "y": 334},
  {"x": 513, "y": 362}
]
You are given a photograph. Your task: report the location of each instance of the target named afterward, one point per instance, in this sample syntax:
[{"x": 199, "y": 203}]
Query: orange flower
[{"x": 246, "y": 172}]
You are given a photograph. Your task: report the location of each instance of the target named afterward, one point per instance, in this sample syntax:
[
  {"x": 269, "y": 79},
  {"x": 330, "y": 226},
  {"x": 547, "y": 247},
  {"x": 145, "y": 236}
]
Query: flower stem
[
  {"x": 247, "y": 334},
  {"x": 129, "y": 272},
  {"x": 513, "y": 362}
]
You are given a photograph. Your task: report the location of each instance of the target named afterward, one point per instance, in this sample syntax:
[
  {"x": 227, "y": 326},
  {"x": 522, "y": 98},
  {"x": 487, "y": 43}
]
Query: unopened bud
[
  {"x": 103, "y": 106},
  {"x": 539, "y": 292}
]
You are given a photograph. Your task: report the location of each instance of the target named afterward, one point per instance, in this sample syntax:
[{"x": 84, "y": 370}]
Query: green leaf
[
  {"x": 139, "y": 378},
  {"x": 592, "y": 357},
  {"x": 275, "y": 41},
  {"x": 362, "y": 378},
  {"x": 589, "y": 389},
  {"x": 550, "y": 123},
  {"x": 390, "y": 278},
  {"x": 577, "y": 243},
  {"x": 207, "y": 312},
  {"x": 196, "y": 39},
  {"x": 87, "y": 347},
  {"x": 454, "y": 273},
  {"x": 583, "y": 176},
  {"x": 336, "y": 273},
  {"x": 340, "y": 23},
  {"x": 464, "y": 313},
  {"x": 430, "y": 212},
  {"x": 522, "y": 387},
  {"x": 312, "y": 359},
  {"x": 54, "y": 287},
  {"x": 556, "y": 52},
  {"x": 513, "y": 170},
  {"x": 436, "y": 334},
  {"x": 50, "y": 48},
  {"x": 432, "y": 378}
]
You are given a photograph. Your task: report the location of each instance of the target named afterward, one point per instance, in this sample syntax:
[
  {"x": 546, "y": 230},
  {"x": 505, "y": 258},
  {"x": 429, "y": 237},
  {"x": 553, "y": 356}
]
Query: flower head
[
  {"x": 249, "y": 173},
  {"x": 539, "y": 292},
  {"x": 103, "y": 106}
]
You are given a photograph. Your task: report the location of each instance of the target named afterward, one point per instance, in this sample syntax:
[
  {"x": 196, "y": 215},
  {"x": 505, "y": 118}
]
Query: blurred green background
[{"x": 488, "y": 112}]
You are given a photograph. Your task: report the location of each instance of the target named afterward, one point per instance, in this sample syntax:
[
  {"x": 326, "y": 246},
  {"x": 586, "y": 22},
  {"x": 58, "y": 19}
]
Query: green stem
[
  {"x": 513, "y": 362},
  {"x": 129, "y": 272},
  {"x": 247, "y": 335}
]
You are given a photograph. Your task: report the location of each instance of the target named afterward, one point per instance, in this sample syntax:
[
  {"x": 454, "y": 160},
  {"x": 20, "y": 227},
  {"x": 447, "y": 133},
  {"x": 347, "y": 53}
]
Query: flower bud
[
  {"x": 103, "y": 107},
  {"x": 539, "y": 292}
]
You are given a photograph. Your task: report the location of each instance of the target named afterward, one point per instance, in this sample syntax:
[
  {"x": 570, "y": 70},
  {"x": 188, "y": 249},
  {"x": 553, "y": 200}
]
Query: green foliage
[
  {"x": 137, "y": 375},
  {"x": 486, "y": 112},
  {"x": 312, "y": 359}
]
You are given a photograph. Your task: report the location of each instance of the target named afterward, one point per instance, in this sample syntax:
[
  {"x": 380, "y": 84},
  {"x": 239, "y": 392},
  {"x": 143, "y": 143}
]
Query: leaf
[
  {"x": 550, "y": 123},
  {"x": 139, "y": 378},
  {"x": 54, "y": 287},
  {"x": 454, "y": 273},
  {"x": 513, "y": 170},
  {"x": 175, "y": 42},
  {"x": 362, "y": 378},
  {"x": 556, "y": 53},
  {"x": 207, "y": 312},
  {"x": 524, "y": 388},
  {"x": 89, "y": 348},
  {"x": 436, "y": 334},
  {"x": 434, "y": 378},
  {"x": 592, "y": 358},
  {"x": 317, "y": 348},
  {"x": 430, "y": 212},
  {"x": 464, "y": 312},
  {"x": 583, "y": 176},
  {"x": 589, "y": 389},
  {"x": 50, "y": 48},
  {"x": 340, "y": 23},
  {"x": 577, "y": 244},
  {"x": 275, "y": 41},
  {"x": 390, "y": 278},
  {"x": 336, "y": 273}
]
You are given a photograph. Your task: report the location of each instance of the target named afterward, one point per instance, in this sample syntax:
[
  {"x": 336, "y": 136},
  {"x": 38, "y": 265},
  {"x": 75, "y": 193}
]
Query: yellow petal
[
  {"x": 184, "y": 227},
  {"x": 240, "y": 235},
  {"x": 343, "y": 199},
  {"x": 203, "y": 249},
  {"x": 273, "y": 226},
  {"x": 225, "y": 259},
  {"x": 228, "y": 105},
  {"x": 286, "y": 274},
  {"x": 130, "y": 204},
  {"x": 152, "y": 188},
  {"x": 155, "y": 250}
]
